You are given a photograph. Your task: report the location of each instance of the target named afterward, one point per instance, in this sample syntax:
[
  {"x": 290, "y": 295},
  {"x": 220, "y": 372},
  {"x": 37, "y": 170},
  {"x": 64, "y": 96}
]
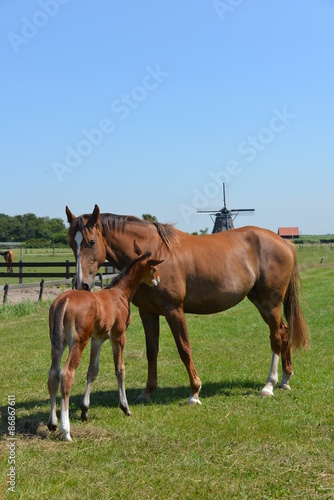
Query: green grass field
[{"x": 236, "y": 445}]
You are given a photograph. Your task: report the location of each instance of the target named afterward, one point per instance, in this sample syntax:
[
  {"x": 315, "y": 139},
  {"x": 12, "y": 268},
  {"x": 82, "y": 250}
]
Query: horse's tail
[
  {"x": 299, "y": 332},
  {"x": 56, "y": 323}
]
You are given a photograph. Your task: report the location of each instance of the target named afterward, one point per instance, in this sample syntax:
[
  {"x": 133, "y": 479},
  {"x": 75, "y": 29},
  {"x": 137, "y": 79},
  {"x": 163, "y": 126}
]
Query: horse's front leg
[
  {"x": 93, "y": 370},
  {"x": 177, "y": 322},
  {"x": 151, "y": 327},
  {"x": 118, "y": 345}
]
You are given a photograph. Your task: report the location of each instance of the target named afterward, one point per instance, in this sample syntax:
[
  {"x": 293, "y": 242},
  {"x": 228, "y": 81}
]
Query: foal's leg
[
  {"x": 92, "y": 372},
  {"x": 53, "y": 384},
  {"x": 151, "y": 328},
  {"x": 177, "y": 322},
  {"x": 67, "y": 379},
  {"x": 118, "y": 345}
]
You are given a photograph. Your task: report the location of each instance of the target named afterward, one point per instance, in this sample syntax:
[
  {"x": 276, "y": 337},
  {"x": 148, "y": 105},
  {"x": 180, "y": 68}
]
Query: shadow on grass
[{"x": 34, "y": 425}]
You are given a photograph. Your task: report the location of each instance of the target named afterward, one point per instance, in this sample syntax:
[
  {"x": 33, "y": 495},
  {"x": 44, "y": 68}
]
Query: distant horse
[
  {"x": 200, "y": 275},
  {"x": 9, "y": 258},
  {"x": 76, "y": 316}
]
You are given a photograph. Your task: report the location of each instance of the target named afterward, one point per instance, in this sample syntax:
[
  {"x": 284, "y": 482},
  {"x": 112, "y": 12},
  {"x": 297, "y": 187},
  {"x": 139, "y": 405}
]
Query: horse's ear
[
  {"x": 92, "y": 221},
  {"x": 154, "y": 262},
  {"x": 70, "y": 216},
  {"x": 136, "y": 248}
]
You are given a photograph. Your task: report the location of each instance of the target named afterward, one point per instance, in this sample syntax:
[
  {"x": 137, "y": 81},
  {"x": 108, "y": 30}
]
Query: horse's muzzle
[{"x": 156, "y": 281}]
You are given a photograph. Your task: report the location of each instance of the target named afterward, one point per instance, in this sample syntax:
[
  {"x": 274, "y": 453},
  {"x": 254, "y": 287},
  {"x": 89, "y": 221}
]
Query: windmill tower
[{"x": 223, "y": 218}]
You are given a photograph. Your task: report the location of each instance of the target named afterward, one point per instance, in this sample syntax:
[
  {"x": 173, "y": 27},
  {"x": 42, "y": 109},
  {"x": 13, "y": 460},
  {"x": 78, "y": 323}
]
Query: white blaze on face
[{"x": 78, "y": 239}]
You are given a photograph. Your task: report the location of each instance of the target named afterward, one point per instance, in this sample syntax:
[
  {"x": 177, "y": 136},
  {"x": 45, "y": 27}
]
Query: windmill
[{"x": 223, "y": 218}]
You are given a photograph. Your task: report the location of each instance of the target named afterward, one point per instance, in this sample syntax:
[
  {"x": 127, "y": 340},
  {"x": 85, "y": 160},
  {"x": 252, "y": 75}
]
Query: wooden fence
[
  {"x": 21, "y": 273},
  {"x": 68, "y": 275}
]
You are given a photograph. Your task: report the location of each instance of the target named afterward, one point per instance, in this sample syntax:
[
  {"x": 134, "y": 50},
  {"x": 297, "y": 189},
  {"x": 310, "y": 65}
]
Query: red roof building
[{"x": 288, "y": 232}]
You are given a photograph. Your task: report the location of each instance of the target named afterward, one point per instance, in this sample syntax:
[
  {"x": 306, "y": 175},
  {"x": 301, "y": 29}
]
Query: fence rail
[
  {"x": 20, "y": 274},
  {"x": 68, "y": 275}
]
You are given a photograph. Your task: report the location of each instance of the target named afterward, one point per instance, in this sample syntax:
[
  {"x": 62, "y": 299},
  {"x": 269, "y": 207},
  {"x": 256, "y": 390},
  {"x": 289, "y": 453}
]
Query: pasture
[{"x": 236, "y": 445}]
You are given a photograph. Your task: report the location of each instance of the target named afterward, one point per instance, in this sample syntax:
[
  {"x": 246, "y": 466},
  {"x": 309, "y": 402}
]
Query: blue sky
[{"x": 149, "y": 106}]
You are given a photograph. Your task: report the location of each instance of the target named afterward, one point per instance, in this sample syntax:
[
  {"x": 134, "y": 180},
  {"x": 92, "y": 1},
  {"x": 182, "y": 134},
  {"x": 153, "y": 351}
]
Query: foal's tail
[
  {"x": 299, "y": 332},
  {"x": 56, "y": 323}
]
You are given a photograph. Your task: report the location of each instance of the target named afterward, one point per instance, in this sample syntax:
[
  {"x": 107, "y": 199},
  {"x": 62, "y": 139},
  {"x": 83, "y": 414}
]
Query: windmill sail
[{"x": 223, "y": 218}]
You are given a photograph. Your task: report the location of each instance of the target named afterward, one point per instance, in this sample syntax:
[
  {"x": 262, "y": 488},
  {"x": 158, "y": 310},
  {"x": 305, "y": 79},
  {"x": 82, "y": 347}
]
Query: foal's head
[
  {"x": 88, "y": 245},
  {"x": 144, "y": 266},
  {"x": 150, "y": 276}
]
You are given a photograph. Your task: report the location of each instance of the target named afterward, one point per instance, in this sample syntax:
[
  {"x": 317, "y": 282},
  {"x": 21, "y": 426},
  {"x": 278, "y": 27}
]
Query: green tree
[{"x": 149, "y": 217}]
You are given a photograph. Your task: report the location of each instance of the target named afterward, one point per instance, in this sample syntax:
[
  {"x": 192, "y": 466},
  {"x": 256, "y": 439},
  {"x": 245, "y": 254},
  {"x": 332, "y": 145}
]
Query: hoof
[
  {"x": 84, "y": 413},
  {"x": 66, "y": 437},
  {"x": 266, "y": 393},
  {"x": 193, "y": 401},
  {"x": 52, "y": 427},
  {"x": 286, "y": 386},
  {"x": 126, "y": 410},
  {"x": 143, "y": 398}
]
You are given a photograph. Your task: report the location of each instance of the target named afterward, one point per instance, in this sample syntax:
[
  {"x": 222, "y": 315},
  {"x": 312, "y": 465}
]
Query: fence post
[
  {"x": 41, "y": 288},
  {"x": 20, "y": 272},
  {"x": 5, "y": 290},
  {"x": 67, "y": 269}
]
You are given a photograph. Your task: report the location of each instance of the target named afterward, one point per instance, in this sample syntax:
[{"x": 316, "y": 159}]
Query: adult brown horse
[
  {"x": 8, "y": 255},
  {"x": 76, "y": 316},
  {"x": 201, "y": 275}
]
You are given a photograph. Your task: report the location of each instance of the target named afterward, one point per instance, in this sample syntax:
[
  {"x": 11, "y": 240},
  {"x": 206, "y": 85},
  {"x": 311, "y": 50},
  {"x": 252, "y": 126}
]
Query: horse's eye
[{"x": 92, "y": 243}]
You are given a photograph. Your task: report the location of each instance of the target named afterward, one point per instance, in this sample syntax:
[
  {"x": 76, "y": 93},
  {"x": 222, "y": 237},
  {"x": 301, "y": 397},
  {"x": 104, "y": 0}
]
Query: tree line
[
  {"x": 38, "y": 232},
  {"x": 32, "y": 230}
]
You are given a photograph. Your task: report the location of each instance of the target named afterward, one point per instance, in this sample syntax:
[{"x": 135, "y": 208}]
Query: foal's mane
[
  {"x": 119, "y": 222},
  {"x": 127, "y": 269}
]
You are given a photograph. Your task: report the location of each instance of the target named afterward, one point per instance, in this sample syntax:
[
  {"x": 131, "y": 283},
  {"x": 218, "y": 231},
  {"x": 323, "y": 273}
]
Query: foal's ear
[
  {"x": 94, "y": 217},
  {"x": 136, "y": 248},
  {"x": 70, "y": 216},
  {"x": 154, "y": 262}
]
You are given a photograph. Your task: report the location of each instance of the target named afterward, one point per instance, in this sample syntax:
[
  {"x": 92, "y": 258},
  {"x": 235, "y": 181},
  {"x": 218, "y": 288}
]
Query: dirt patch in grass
[{"x": 17, "y": 296}]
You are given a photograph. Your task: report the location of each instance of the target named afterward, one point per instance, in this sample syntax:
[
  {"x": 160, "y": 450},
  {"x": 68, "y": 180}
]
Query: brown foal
[{"x": 77, "y": 316}]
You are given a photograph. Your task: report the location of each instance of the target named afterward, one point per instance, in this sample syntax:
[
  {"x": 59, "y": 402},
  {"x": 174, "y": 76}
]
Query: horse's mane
[
  {"x": 112, "y": 222},
  {"x": 118, "y": 222},
  {"x": 127, "y": 269}
]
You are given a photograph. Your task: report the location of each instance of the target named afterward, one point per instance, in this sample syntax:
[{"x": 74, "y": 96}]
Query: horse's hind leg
[
  {"x": 67, "y": 380},
  {"x": 287, "y": 371},
  {"x": 92, "y": 373},
  {"x": 274, "y": 320},
  {"x": 53, "y": 384},
  {"x": 280, "y": 344}
]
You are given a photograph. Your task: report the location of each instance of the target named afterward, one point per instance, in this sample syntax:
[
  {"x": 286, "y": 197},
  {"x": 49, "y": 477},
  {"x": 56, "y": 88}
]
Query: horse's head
[{"x": 89, "y": 247}]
